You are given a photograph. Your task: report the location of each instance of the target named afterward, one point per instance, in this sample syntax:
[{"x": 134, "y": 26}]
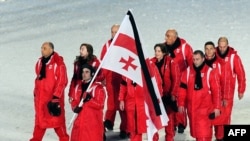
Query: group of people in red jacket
[{"x": 194, "y": 85}]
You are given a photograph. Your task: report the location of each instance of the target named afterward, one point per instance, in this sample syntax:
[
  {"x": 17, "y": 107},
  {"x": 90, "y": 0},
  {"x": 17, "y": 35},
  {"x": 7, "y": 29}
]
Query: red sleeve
[
  {"x": 182, "y": 91},
  {"x": 73, "y": 81},
  {"x": 62, "y": 79},
  {"x": 215, "y": 88},
  {"x": 75, "y": 94},
  {"x": 104, "y": 49},
  {"x": 189, "y": 54},
  {"x": 175, "y": 77},
  {"x": 123, "y": 89},
  {"x": 240, "y": 72},
  {"x": 103, "y": 52}
]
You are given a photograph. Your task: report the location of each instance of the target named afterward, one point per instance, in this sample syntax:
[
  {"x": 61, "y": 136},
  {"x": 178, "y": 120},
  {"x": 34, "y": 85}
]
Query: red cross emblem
[{"x": 128, "y": 63}]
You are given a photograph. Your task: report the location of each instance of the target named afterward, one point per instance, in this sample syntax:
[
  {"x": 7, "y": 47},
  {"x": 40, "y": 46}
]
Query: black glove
[
  {"x": 77, "y": 109},
  {"x": 211, "y": 116},
  {"x": 54, "y": 106},
  {"x": 87, "y": 98}
]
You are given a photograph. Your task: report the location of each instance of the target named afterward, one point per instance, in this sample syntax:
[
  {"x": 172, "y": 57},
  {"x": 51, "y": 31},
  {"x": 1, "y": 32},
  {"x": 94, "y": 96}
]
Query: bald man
[
  {"x": 50, "y": 82},
  {"x": 181, "y": 53},
  {"x": 112, "y": 81},
  {"x": 231, "y": 68}
]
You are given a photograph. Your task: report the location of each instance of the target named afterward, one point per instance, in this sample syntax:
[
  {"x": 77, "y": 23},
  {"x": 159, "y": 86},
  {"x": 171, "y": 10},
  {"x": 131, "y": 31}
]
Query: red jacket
[
  {"x": 89, "y": 123},
  {"x": 183, "y": 58},
  {"x": 231, "y": 67},
  {"x": 53, "y": 85},
  {"x": 200, "y": 103}
]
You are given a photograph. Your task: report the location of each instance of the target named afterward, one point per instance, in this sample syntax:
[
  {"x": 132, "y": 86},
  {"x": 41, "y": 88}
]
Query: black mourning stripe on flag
[{"x": 144, "y": 66}]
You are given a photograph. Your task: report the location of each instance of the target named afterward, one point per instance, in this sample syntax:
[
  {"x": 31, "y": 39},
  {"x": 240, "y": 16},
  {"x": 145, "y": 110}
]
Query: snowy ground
[{"x": 26, "y": 24}]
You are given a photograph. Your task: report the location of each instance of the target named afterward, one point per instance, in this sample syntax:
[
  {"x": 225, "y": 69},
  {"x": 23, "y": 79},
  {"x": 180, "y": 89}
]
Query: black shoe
[
  {"x": 181, "y": 128},
  {"x": 123, "y": 135},
  {"x": 108, "y": 124}
]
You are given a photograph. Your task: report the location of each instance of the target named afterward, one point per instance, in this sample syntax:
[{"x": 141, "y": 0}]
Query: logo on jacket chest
[
  {"x": 226, "y": 59},
  {"x": 50, "y": 67},
  {"x": 177, "y": 50}
]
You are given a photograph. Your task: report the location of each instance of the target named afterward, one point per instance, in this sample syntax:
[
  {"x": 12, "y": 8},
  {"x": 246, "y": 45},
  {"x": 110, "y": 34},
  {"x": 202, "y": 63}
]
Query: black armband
[
  {"x": 123, "y": 82},
  {"x": 183, "y": 85}
]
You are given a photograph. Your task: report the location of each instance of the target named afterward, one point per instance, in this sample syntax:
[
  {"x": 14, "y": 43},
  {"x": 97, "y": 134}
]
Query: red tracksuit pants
[
  {"x": 112, "y": 107},
  {"x": 39, "y": 133}
]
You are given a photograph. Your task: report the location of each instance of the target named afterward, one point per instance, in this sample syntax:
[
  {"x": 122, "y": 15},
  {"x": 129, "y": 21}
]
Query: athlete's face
[
  {"x": 83, "y": 51},
  {"x": 86, "y": 74},
  {"x": 209, "y": 51},
  {"x": 158, "y": 53},
  {"x": 223, "y": 47},
  {"x": 197, "y": 60},
  {"x": 46, "y": 50}
]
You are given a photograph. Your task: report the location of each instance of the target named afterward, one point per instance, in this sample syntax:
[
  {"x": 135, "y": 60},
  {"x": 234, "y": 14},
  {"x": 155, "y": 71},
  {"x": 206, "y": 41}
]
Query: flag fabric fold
[{"x": 126, "y": 56}]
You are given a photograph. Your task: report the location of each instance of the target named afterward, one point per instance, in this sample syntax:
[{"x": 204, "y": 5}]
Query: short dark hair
[
  {"x": 209, "y": 43},
  {"x": 199, "y": 52},
  {"x": 91, "y": 68},
  {"x": 162, "y": 47}
]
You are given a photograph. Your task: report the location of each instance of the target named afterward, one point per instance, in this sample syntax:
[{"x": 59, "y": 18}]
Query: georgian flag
[{"x": 126, "y": 57}]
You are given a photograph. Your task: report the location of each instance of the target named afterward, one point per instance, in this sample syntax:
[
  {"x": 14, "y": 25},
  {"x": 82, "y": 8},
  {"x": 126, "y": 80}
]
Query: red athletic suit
[
  {"x": 88, "y": 126},
  {"x": 113, "y": 81},
  {"x": 165, "y": 72},
  {"x": 219, "y": 121},
  {"x": 52, "y": 85},
  {"x": 181, "y": 53},
  {"x": 200, "y": 103},
  {"x": 231, "y": 67}
]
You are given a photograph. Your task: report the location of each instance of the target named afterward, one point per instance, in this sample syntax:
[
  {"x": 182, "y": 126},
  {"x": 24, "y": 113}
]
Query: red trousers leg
[
  {"x": 156, "y": 137},
  {"x": 38, "y": 133},
  {"x": 123, "y": 125},
  {"x": 181, "y": 118},
  {"x": 112, "y": 104},
  {"x": 170, "y": 128},
  {"x": 135, "y": 137},
  {"x": 62, "y": 133},
  {"x": 219, "y": 131}
]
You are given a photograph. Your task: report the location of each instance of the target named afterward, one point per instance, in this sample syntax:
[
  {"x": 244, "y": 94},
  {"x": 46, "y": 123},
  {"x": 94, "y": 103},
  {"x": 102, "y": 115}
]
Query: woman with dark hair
[
  {"x": 86, "y": 57},
  {"x": 168, "y": 71}
]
